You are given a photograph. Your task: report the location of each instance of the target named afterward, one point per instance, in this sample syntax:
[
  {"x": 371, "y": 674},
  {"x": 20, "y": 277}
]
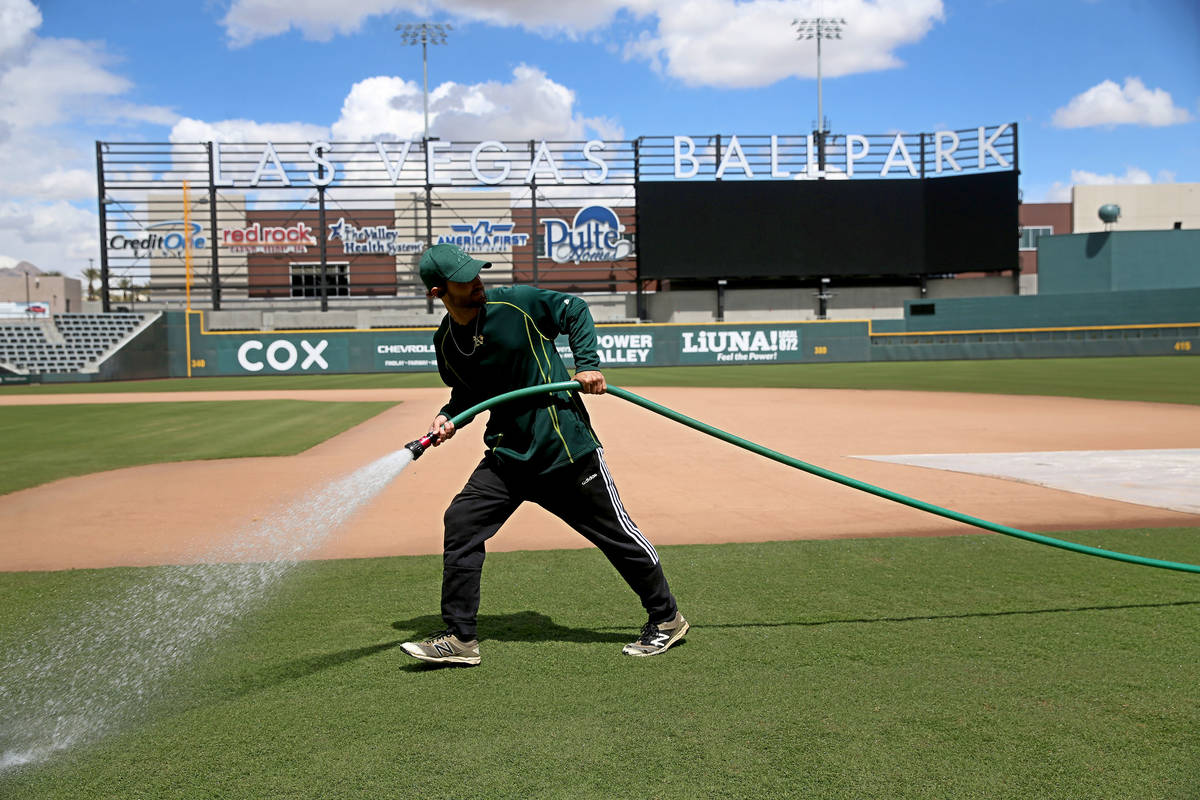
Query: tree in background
[{"x": 92, "y": 274}]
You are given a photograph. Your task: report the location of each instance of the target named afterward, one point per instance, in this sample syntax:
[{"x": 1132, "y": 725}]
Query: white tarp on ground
[{"x": 1163, "y": 478}]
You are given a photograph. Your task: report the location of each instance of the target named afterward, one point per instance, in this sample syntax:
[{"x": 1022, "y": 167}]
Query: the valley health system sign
[{"x": 493, "y": 163}]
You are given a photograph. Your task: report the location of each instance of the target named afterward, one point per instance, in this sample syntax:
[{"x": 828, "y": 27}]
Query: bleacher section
[{"x": 83, "y": 341}]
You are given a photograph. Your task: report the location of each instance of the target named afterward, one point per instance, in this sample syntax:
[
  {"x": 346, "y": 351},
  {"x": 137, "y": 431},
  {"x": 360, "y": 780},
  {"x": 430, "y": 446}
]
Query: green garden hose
[{"x": 417, "y": 447}]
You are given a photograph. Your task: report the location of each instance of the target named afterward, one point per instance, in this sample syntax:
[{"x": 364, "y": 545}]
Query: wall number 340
[{"x": 1183, "y": 346}]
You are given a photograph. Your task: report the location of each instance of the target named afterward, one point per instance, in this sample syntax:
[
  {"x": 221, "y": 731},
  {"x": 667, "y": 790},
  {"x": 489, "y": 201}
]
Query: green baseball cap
[{"x": 448, "y": 262}]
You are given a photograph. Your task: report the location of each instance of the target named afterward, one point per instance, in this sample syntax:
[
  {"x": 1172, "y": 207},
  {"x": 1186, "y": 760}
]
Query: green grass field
[
  {"x": 1164, "y": 379},
  {"x": 965, "y": 667},
  {"x": 977, "y": 666},
  {"x": 61, "y": 441}
]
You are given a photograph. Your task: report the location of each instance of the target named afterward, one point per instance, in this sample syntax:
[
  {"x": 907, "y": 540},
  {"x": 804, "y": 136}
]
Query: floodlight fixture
[
  {"x": 424, "y": 34},
  {"x": 819, "y": 28}
]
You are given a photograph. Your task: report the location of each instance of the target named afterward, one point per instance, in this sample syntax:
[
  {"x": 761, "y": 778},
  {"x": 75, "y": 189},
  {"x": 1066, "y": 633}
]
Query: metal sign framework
[{"x": 321, "y": 222}]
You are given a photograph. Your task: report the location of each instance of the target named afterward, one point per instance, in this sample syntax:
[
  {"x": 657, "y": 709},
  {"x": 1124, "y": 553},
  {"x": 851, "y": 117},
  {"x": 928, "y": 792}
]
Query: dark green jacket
[{"x": 519, "y": 325}]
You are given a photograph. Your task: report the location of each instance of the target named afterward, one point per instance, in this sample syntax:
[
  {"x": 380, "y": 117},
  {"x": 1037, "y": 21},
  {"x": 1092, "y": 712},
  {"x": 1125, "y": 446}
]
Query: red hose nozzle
[{"x": 418, "y": 446}]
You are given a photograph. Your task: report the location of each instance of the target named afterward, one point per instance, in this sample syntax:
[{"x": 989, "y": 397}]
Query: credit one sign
[{"x": 493, "y": 162}]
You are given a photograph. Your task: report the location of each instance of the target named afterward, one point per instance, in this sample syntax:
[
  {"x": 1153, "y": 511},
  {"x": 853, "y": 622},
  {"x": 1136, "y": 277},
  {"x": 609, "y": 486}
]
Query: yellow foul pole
[{"x": 187, "y": 265}]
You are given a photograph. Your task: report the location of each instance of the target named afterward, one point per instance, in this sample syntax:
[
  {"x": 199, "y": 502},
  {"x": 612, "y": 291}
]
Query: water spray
[
  {"x": 90, "y": 673},
  {"x": 418, "y": 446}
]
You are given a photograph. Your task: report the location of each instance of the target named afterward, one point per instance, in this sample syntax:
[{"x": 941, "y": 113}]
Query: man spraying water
[{"x": 541, "y": 449}]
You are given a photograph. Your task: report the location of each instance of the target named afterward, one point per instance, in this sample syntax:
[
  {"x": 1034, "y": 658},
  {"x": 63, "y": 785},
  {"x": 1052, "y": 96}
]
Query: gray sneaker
[
  {"x": 656, "y": 639},
  {"x": 444, "y": 647}
]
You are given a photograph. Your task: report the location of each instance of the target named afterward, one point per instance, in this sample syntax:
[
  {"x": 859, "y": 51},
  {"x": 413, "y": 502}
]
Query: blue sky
[{"x": 1103, "y": 90}]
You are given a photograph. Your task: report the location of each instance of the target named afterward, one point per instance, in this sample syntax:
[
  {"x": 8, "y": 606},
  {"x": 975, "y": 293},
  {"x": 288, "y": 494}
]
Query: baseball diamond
[{"x": 750, "y": 499}]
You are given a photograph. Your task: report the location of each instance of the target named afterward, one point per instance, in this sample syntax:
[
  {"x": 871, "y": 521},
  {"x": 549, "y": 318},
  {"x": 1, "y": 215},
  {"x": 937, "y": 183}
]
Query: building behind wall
[
  {"x": 166, "y": 278},
  {"x": 59, "y": 294},
  {"x": 1153, "y": 244},
  {"x": 1038, "y": 220},
  {"x": 1144, "y": 207}
]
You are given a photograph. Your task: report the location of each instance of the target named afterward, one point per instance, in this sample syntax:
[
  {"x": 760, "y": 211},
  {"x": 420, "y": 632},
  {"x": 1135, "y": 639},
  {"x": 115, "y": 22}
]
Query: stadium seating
[{"x": 70, "y": 343}]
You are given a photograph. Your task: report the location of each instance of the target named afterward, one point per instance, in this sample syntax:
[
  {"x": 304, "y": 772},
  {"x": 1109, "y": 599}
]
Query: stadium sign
[
  {"x": 593, "y": 235},
  {"x": 378, "y": 239},
  {"x": 490, "y": 163},
  {"x": 484, "y": 236},
  {"x": 258, "y": 238},
  {"x": 153, "y": 243},
  {"x": 742, "y": 345},
  {"x": 282, "y": 355},
  {"x": 625, "y": 348}
]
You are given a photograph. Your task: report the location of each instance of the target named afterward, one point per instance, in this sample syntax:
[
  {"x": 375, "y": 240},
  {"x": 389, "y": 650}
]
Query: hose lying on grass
[{"x": 418, "y": 446}]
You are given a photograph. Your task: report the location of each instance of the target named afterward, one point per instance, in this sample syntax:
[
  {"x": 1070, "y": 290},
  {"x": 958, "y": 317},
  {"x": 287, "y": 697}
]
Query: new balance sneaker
[
  {"x": 444, "y": 648},
  {"x": 656, "y": 639}
]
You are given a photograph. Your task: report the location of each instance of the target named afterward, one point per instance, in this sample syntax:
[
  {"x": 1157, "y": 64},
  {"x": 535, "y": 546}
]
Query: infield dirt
[{"x": 680, "y": 486}]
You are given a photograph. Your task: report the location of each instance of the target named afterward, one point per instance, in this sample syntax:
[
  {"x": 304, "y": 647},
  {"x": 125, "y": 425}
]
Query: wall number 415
[{"x": 1183, "y": 346}]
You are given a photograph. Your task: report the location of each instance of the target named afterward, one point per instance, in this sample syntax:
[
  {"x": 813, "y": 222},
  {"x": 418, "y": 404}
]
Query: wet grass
[{"x": 976, "y": 666}]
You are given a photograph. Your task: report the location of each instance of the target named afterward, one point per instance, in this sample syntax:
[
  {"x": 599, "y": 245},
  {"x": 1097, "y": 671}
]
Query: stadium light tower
[
  {"x": 819, "y": 28},
  {"x": 424, "y": 34}
]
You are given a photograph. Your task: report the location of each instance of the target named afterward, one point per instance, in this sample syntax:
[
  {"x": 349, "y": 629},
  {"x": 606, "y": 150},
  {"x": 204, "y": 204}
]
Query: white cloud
[
  {"x": 49, "y": 89},
  {"x": 731, "y": 44},
  {"x": 67, "y": 184},
  {"x": 531, "y": 106},
  {"x": 18, "y": 20},
  {"x": 1061, "y": 192},
  {"x": 249, "y": 20},
  {"x": 53, "y": 236},
  {"x": 549, "y": 15},
  {"x": 1132, "y": 175},
  {"x": 1106, "y": 103},
  {"x": 727, "y": 43},
  {"x": 245, "y": 130},
  {"x": 61, "y": 80},
  {"x": 382, "y": 107}
]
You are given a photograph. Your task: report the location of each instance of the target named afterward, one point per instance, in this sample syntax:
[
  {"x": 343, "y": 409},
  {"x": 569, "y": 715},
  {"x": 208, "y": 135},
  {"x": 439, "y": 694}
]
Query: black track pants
[{"x": 581, "y": 494}]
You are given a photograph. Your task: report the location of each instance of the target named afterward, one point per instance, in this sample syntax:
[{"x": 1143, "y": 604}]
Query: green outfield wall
[
  {"x": 411, "y": 349},
  {"x": 1118, "y": 261},
  {"x": 1138, "y": 307},
  {"x": 195, "y": 351}
]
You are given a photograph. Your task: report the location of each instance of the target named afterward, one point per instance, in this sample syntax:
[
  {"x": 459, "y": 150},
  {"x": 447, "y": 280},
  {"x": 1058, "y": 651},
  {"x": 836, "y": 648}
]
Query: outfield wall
[
  {"x": 1168, "y": 326},
  {"x": 1118, "y": 261},
  {"x": 1134, "y": 323},
  {"x": 1148, "y": 306}
]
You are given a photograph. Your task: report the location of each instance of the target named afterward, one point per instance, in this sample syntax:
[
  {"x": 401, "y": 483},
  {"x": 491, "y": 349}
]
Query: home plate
[{"x": 1163, "y": 478}]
